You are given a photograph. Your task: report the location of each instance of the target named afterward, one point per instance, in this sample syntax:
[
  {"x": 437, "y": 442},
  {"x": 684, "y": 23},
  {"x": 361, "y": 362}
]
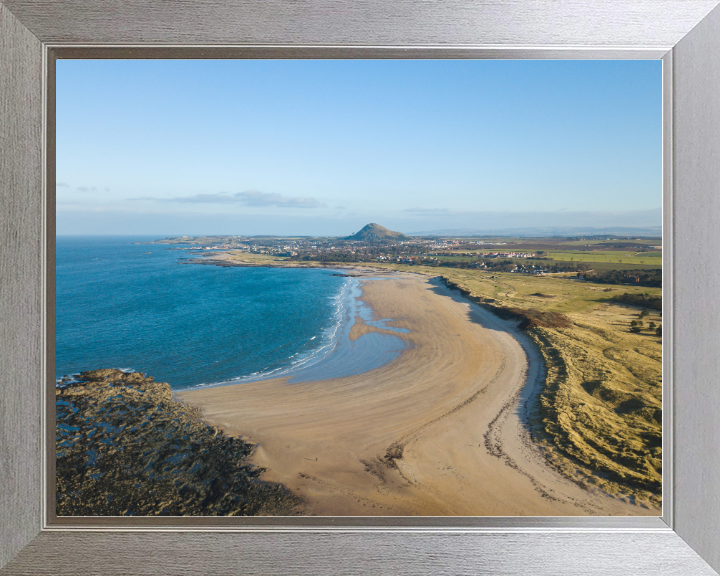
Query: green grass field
[
  {"x": 585, "y": 242},
  {"x": 597, "y": 260},
  {"x": 610, "y": 256}
]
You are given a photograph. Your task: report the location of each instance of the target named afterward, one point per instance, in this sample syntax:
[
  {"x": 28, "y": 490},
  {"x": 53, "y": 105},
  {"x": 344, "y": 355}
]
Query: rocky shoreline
[{"x": 125, "y": 446}]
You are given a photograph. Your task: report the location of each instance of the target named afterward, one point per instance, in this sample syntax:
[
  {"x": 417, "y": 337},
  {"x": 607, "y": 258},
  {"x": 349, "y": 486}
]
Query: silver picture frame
[{"x": 684, "y": 33}]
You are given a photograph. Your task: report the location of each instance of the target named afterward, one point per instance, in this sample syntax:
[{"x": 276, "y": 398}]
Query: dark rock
[{"x": 124, "y": 447}]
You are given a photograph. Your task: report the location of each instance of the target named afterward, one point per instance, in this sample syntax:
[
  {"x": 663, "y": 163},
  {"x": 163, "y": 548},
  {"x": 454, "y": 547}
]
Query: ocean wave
[{"x": 341, "y": 317}]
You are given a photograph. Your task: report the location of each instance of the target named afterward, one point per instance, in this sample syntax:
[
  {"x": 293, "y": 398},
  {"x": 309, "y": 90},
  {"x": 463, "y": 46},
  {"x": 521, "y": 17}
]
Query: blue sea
[{"x": 120, "y": 304}]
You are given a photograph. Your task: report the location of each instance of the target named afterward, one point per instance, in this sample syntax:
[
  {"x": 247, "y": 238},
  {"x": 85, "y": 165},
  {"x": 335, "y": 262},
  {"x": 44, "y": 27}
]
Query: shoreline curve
[{"x": 440, "y": 430}]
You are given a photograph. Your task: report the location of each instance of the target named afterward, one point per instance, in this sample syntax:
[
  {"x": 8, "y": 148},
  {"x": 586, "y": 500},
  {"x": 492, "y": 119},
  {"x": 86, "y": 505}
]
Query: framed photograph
[
  {"x": 474, "y": 359},
  {"x": 311, "y": 521}
]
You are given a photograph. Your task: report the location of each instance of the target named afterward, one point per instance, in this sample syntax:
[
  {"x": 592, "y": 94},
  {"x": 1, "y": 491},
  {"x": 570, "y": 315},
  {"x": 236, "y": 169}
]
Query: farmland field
[
  {"x": 614, "y": 257},
  {"x": 599, "y": 255}
]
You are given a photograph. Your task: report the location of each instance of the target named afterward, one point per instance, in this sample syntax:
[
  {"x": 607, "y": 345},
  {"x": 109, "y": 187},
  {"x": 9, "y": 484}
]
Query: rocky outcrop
[{"x": 124, "y": 447}]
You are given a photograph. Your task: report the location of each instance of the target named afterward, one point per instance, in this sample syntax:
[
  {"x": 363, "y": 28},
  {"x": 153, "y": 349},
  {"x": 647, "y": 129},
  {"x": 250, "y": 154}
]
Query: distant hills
[
  {"x": 653, "y": 231},
  {"x": 376, "y": 233}
]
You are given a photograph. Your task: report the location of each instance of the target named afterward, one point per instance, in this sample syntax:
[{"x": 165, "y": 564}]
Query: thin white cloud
[
  {"x": 82, "y": 188},
  {"x": 249, "y": 198}
]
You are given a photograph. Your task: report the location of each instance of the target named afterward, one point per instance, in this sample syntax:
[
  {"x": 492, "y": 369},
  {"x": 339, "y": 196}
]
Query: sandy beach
[{"x": 438, "y": 431}]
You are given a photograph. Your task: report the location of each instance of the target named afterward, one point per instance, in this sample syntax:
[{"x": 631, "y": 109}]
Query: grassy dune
[{"x": 600, "y": 412}]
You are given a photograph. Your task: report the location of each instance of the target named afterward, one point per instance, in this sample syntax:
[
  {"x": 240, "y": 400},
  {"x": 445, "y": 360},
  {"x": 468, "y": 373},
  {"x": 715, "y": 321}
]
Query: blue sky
[{"x": 323, "y": 147}]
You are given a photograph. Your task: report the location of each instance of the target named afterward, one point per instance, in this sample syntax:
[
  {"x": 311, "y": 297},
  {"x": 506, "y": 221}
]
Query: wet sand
[{"x": 437, "y": 431}]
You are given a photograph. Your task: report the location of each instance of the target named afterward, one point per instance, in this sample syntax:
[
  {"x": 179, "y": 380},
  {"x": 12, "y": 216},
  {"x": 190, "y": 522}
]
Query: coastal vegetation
[
  {"x": 644, "y": 299},
  {"x": 125, "y": 447},
  {"x": 640, "y": 277}
]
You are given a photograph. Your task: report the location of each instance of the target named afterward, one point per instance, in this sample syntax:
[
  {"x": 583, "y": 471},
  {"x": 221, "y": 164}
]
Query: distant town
[{"x": 606, "y": 258}]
